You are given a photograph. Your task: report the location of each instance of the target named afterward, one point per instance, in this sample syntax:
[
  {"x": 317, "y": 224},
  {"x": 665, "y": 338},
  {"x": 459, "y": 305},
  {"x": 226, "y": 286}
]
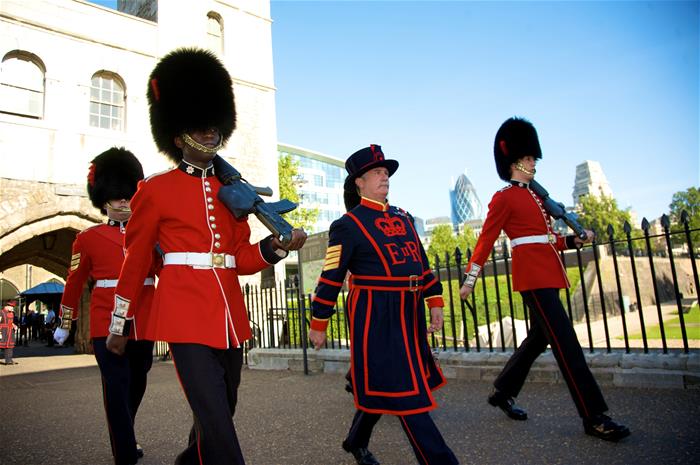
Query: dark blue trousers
[
  {"x": 549, "y": 324},
  {"x": 427, "y": 442},
  {"x": 123, "y": 385},
  {"x": 210, "y": 379}
]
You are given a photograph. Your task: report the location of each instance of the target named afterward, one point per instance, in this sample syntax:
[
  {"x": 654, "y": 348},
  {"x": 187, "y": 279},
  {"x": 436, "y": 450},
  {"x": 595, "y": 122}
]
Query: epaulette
[{"x": 505, "y": 188}]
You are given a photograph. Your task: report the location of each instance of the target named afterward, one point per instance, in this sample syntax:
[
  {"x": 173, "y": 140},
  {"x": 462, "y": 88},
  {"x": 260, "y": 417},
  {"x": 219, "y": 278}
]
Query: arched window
[
  {"x": 215, "y": 33},
  {"x": 22, "y": 84},
  {"x": 107, "y": 98}
]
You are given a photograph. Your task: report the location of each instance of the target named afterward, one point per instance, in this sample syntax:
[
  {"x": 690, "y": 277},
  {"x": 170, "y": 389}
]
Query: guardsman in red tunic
[
  {"x": 198, "y": 307},
  {"x": 538, "y": 274},
  {"x": 393, "y": 371},
  {"x": 98, "y": 254}
]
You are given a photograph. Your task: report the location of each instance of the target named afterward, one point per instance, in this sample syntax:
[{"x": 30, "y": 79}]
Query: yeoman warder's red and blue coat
[{"x": 393, "y": 370}]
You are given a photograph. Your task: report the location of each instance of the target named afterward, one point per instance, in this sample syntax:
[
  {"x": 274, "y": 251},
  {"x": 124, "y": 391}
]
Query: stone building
[{"x": 73, "y": 82}]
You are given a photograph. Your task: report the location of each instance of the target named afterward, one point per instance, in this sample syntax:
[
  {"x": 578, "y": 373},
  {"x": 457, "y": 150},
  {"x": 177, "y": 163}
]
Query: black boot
[
  {"x": 507, "y": 404},
  {"x": 603, "y": 427},
  {"x": 362, "y": 455}
]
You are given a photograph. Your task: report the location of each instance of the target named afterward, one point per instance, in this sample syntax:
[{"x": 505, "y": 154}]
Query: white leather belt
[
  {"x": 200, "y": 260},
  {"x": 113, "y": 282},
  {"x": 541, "y": 239}
]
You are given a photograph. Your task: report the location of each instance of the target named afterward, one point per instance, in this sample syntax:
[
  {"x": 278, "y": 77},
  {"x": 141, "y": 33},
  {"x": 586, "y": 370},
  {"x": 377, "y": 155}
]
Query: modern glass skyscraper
[
  {"x": 465, "y": 202},
  {"x": 322, "y": 184}
]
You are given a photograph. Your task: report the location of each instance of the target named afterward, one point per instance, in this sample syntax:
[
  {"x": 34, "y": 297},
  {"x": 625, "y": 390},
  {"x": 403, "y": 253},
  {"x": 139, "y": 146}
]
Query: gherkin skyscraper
[{"x": 464, "y": 201}]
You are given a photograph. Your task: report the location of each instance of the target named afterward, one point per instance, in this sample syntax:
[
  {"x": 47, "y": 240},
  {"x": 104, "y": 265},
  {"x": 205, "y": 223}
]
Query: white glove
[{"x": 60, "y": 335}]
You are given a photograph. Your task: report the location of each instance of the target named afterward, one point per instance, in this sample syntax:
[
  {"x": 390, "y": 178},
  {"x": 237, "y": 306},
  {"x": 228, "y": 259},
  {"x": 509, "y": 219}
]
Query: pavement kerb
[{"x": 657, "y": 370}]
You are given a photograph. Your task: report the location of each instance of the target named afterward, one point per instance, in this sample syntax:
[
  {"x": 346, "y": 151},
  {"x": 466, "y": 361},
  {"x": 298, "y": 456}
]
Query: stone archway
[
  {"x": 8, "y": 290},
  {"x": 38, "y": 224}
]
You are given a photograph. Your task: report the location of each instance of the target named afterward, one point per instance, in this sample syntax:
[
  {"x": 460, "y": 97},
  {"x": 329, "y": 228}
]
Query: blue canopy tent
[{"x": 49, "y": 293}]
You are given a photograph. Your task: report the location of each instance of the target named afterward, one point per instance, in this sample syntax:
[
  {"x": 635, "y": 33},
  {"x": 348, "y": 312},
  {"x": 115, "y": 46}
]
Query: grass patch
[
  {"x": 672, "y": 327},
  {"x": 496, "y": 299}
]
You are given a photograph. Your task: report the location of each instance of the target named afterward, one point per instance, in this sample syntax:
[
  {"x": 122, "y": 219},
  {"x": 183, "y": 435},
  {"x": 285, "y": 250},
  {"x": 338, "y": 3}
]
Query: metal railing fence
[{"x": 627, "y": 293}]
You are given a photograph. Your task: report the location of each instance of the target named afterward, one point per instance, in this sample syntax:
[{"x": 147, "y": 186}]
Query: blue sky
[{"x": 615, "y": 82}]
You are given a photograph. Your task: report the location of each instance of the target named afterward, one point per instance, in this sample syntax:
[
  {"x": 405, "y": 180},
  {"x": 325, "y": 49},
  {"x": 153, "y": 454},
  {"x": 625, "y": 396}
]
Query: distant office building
[
  {"x": 432, "y": 223},
  {"x": 590, "y": 180},
  {"x": 476, "y": 225},
  {"x": 465, "y": 202},
  {"x": 634, "y": 218},
  {"x": 322, "y": 184}
]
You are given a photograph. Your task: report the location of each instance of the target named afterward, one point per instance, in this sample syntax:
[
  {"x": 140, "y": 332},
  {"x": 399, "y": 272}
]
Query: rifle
[
  {"x": 557, "y": 210},
  {"x": 242, "y": 198}
]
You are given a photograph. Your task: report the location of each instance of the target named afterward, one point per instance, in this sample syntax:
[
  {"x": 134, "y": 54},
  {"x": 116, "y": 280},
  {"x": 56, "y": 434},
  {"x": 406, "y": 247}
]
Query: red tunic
[
  {"x": 181, "y": 213},
  {"x": 98, "y": 253},
  {"x": 518, "y": 212}
]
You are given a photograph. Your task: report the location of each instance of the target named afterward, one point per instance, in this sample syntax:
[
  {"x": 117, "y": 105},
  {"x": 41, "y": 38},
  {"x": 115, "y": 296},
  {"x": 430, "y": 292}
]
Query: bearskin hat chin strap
[
  {"x": 202, "y": 148},
  {"x": 520, "y": 167},
  {"x": 117, "y": 209}
]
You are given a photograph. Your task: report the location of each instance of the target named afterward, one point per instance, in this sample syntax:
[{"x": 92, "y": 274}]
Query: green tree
[
  {"x": 442, "y": 241},
  {"x": 466, "y": 240},
  {"x": 688, "y": 200},
  {"x": 597, "y": 213},
  {"x": 289, "y": 182}
]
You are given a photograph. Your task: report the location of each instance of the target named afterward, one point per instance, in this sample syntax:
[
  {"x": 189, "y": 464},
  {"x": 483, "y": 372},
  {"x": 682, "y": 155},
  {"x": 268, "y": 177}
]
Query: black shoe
[
  {"x": 362, "y": 455},
  {"x": 507, "y": 404},
  {"x": 139, "y": 450},
  {"x": 603, "y": 427},
  {"x": 348, "y": 385}
]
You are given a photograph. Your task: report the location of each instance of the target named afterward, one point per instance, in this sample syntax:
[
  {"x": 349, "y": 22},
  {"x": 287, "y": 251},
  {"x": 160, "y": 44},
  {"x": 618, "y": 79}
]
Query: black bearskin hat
[
  {"x": 188, "y": 90},
  {"x": 114, "y": 174},
  {"x": 515, "y": 139}
]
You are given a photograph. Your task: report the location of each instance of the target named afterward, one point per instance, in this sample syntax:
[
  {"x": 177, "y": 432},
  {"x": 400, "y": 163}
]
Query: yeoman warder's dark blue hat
[{"x": 364, "y": 160}]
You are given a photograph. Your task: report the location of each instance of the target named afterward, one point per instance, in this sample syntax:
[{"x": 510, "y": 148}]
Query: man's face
[
  {"x": 208, "y": 137},
  {"x": 374, "y": 184},
  {"x": 524, "y": 168},
  {"x": 118, "y": 209}
]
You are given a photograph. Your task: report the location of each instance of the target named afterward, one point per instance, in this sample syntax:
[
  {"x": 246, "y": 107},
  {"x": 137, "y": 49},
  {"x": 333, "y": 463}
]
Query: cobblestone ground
[{"x": 287, "y": 418}]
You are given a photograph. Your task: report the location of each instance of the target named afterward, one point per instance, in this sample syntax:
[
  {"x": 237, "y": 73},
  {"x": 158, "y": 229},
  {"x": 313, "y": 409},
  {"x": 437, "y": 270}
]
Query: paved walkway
[{"x": 52, "y": 413}]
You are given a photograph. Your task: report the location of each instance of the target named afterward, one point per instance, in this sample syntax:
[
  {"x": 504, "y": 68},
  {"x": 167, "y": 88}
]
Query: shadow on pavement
[{"x": 285, "y": 417}]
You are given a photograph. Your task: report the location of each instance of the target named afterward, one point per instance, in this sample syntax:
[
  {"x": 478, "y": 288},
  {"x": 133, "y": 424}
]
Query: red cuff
[
  {"x": 435, "y": 301},
  {"x": 319, "y": 325},
  {"x": 323, "y": 301}
]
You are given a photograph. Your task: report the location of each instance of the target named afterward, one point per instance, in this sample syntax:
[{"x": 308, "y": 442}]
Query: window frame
[
  {"x": 23, "y": 55},
  {"x": 110, "y": 103}
]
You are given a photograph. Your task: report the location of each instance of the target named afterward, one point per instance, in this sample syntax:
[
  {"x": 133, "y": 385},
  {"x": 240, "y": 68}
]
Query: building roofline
[{"x": 312, "y": 154}]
